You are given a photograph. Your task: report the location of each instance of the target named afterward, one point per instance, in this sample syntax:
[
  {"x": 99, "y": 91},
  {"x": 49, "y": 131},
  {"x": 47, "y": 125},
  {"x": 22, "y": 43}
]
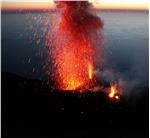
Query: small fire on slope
[{"x": 114, "y": 92}]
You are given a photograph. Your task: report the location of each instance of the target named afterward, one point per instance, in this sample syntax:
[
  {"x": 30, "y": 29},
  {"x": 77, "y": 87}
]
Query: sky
[{"x": 101, "y": 4}]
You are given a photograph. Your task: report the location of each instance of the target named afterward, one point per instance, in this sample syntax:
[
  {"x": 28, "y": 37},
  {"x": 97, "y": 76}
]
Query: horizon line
[{"x": 48, "y": 5}]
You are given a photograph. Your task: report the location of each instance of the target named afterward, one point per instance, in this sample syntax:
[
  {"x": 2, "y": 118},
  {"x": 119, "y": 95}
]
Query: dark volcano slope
[{"x": 31, "y": 108}]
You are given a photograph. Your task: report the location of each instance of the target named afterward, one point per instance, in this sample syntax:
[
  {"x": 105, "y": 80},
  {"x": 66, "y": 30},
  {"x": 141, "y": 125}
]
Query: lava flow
[{"x": 74, "y": 45}]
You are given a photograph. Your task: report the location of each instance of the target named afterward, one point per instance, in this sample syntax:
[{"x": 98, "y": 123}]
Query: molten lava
[{"x": 90, "y": 71}]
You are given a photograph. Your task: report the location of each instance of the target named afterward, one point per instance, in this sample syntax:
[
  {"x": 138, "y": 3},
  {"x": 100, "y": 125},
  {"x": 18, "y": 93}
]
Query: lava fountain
[
  {"x": 90, "y": 71},
  {"x": 73, "y": 44}
]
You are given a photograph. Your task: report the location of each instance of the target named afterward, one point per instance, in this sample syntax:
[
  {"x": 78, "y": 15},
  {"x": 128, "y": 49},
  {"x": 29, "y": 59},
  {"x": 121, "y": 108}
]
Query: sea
[{"x": 125, "y": 44}]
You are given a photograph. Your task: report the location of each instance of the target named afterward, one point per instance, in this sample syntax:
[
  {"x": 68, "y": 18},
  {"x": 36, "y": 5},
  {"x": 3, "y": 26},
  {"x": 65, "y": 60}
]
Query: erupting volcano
[{"x": 74, "y": 45}]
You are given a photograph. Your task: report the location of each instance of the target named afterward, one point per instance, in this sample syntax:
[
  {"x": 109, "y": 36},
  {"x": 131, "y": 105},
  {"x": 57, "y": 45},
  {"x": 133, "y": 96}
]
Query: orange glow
[
  {"x": 119, "y": 6},
  {"x": 27, "y": 6},
  {"x": 90, "y": 71},
  {"x": 101, "y": 4}
]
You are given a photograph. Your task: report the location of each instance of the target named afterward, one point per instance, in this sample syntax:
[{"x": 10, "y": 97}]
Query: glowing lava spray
[{"x": 75, "y": 42}]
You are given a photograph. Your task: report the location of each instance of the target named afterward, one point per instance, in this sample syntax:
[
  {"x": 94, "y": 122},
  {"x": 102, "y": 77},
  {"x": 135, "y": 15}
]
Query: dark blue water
[{"x": 125, "y": 42}]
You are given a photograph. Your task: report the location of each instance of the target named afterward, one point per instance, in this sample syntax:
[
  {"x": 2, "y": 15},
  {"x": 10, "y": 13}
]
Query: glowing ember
[{"x": 117, "y": 97}]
